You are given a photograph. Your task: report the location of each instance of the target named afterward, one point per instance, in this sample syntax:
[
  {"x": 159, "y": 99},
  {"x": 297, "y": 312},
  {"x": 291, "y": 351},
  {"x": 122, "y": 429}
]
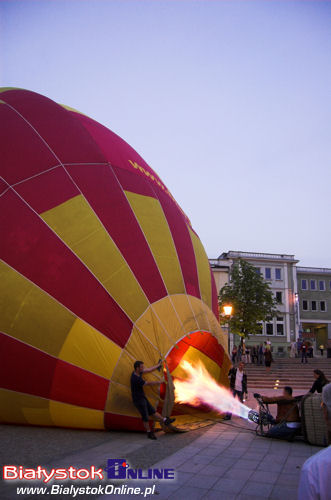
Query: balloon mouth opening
[{"x": 188, "y": 350}]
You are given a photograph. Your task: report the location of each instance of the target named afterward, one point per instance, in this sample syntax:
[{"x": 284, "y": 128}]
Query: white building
[{"x": 280, "y": 272}]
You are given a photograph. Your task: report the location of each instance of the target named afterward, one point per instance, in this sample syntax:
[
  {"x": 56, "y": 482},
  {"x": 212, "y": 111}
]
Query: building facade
[
  {"x": 314, "y": 285},
  {"x": 279, "y": 270}
]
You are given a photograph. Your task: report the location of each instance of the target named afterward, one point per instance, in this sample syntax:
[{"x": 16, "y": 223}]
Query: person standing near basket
[
  {"x": 268, "y": 359},
  {"x": 238, "y": 384}
]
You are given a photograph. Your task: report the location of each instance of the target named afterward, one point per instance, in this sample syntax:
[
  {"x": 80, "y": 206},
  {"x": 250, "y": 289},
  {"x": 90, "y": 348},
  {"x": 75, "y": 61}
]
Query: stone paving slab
[
  {"x": 267, "y": 469},
  {"x": 224, "y": 461}
]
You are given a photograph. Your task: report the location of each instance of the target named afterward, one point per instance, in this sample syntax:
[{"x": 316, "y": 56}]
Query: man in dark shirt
[
  {"x": 287, "y": 421},
  {"x": 139, "y": 399}
]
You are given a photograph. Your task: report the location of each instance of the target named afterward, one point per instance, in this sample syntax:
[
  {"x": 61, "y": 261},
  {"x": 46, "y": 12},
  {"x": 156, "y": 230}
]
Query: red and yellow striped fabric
[{"x": 99, "y": 267}]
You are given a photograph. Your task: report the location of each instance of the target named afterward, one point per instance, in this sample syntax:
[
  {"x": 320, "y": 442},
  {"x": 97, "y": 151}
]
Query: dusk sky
[{"x": 228, "y": 101}]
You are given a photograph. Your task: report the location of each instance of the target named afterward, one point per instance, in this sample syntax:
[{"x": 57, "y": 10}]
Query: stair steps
[{"x": 287, "y": 371}]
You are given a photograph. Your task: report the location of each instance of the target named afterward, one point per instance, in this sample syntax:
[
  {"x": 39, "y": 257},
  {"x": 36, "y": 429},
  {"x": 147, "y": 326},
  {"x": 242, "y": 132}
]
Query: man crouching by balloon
[{"x": 139, "y": 399}]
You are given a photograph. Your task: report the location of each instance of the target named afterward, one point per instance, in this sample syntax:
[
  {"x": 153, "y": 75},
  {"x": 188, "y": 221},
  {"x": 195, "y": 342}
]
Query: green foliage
[{"x": 251, "y": 298}]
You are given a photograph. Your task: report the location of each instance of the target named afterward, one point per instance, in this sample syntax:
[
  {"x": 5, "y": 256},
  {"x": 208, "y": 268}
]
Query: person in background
[
  {"x": 321, "y": 348},
  {"x": 240, "y": 351},
  {"x": 268, "y": 359},
  {"x": 238, "y": 384},
  {"x": 293, "y": 350},
  {"x": 310, "y": 351},
  {"x": 260, "y": 354},
  {"x": 254, "y": 354},
  {"x": 315, "y": 477},
  {"x": 320, "y": 381},
  {"x": 234, "y": 354},
  {"x": 304, "y": 349},
  {"x": 248, "y": 355},
  {"x": 299, "y": 344}
]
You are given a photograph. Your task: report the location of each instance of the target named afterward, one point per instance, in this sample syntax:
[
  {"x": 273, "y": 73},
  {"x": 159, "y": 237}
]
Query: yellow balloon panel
[
  {"x": 151, "y": 325},
  {"x": 157, "y": 233},
  {"x": 30, "y": 314},
  {"x": 119, "y": 399},
  {"x": 77, "y": 225},
  {"x": 200, "y": 313},
  {"x": 124, "y": 368},
  {"x": 66, "y": 415},
  {"x": 185, "y": 313},
  {"x": 138, "y": 347},
  {"x": 203, "y": 269},
  {"x": 166, "y": 310},
  {"x": 19, "y": 408},
  {"x": 226, "y": 365},
  {"x": 87, "y": 348},
  {"x": 193, "y": 355}
]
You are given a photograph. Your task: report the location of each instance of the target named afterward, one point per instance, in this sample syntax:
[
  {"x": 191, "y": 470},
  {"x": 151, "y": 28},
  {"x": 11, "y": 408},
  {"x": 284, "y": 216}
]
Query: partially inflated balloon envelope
[{"x": 99, "y": 267}]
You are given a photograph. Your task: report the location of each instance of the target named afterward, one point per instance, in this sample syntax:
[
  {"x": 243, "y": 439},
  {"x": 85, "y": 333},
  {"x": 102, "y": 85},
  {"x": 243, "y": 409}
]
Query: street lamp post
[{"x": 227, "y": 311}]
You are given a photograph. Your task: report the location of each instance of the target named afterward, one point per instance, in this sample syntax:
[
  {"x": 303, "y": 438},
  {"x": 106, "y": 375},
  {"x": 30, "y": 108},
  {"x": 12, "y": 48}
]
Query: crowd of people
[
  {"x": 315, "y": 477},
  {"x": 287, "y": 421},
  {"x": 259, "y": 354}
]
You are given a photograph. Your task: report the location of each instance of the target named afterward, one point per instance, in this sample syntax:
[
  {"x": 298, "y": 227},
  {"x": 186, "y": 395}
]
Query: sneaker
[
  {"x": 168, "y": 420},
  {"x": 151, "y": 435}
]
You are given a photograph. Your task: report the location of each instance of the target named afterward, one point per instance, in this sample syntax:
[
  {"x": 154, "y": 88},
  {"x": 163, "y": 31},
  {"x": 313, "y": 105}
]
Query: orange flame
[{"x": 200, "y": 388}]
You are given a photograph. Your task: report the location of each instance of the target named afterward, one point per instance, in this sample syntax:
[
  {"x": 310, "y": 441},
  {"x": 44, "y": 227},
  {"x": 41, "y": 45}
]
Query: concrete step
[{"x": 287, "y": 371}]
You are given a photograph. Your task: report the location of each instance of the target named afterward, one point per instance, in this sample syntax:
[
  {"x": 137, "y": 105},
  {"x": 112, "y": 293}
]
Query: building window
[
  {"x": 279, "y": 297},
  {"x": 305, "y": 305},
  {"x": 303, "y": 284},
  {"x": 278, "y": 273},
  {"x": 280, "y": 329},
  {"x": 313, "y": 305},
  {"x": 322, "y": 305},
  {"x": 258, "y": 270},
  {"x": 321, "y": 285},
  {"x": 268, "y": 273},
  {"x": 259, "y": 329},
  {"x": 269, "y": 328},
  {"x": 313, "y": 284},
  {"x": 280, "y": 325}
]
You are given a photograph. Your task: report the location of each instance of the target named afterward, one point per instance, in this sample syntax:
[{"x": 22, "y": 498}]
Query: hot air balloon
[{"x": 99, "y": 267}]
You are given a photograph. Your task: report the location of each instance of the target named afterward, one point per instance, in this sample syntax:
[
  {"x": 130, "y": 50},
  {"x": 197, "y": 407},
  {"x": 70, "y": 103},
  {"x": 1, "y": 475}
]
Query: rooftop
[
  {"x": 233, "y": 254},
  {"x": 220, "y": 263},
  {"x": 314, "y": 270}
]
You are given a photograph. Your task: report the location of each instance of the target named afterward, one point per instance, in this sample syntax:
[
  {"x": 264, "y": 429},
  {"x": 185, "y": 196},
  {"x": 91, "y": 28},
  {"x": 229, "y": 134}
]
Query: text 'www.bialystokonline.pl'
[{"x": 74, "y": 491}]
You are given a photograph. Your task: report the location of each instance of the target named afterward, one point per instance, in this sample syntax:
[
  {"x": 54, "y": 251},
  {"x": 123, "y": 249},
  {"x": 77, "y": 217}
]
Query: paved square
[{"x": 222, "y": 461}]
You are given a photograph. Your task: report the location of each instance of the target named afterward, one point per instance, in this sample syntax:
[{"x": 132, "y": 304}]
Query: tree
[{"x": 251, "y": 298}]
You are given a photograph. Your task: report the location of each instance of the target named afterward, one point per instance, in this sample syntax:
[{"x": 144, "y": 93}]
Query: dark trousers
[
  {"x": 281, "y": 431},
  {"x": 304, "y": 356},
  {"x": 240, "y": 395}
]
